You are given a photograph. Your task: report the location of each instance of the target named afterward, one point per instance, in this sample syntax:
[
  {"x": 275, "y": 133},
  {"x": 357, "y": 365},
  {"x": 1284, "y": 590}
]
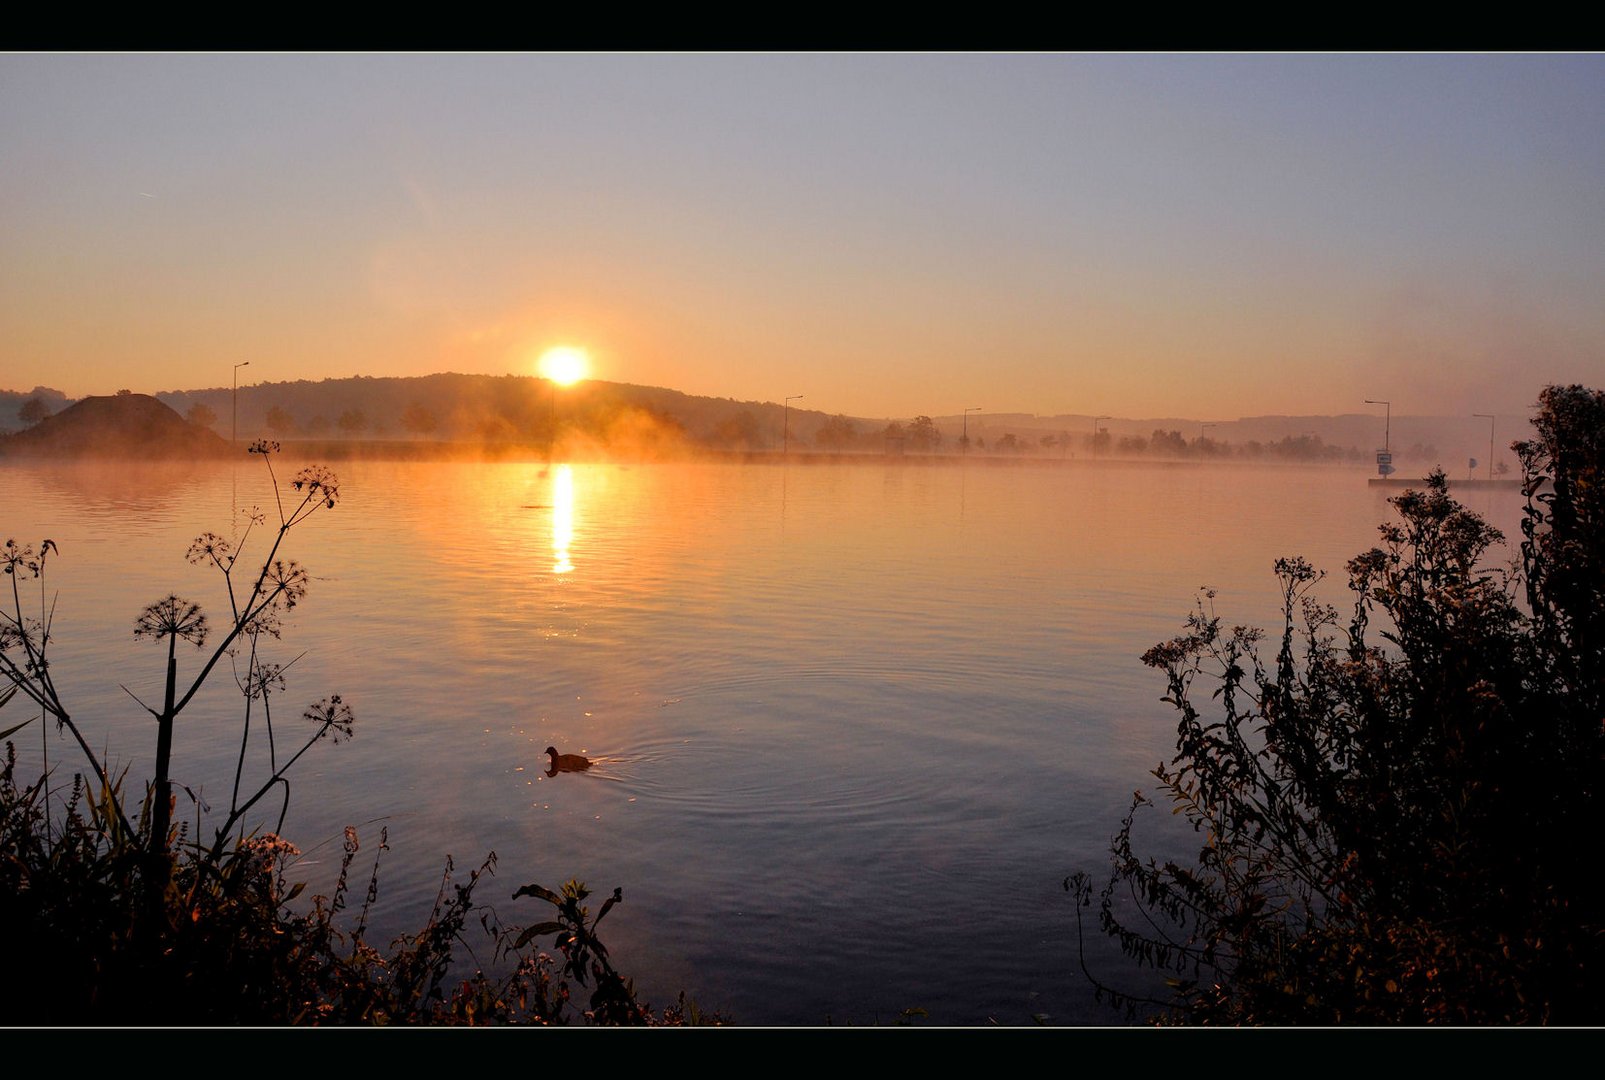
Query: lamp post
[
  {"x": 1387, "y": 429},
  {"x": 234, "y": 405},
  {"x": 1095, "y": 420},
  {"x": 964, "y": 439},
  {"x": 1201, "y": 428},
  {"x": 1385, "y": 455},
  {"x": 785, "y": 424},
  {"x": 1489, "y": 417}
]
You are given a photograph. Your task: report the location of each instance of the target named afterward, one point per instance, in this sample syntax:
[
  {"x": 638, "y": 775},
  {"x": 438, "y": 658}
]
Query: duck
[{"x": 566, "y": 762}]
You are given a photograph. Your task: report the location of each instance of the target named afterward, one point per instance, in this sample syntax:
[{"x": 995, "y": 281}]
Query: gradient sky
[{"x": 1137, "y": 235}]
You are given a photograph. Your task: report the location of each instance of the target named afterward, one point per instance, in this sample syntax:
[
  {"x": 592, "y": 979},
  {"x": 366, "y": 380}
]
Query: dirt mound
[{"x": 127, "y": 425}]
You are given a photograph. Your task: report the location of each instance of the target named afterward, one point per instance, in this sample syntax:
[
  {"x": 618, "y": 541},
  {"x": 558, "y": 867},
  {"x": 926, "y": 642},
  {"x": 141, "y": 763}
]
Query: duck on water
[{"x": 566, "y": 762}]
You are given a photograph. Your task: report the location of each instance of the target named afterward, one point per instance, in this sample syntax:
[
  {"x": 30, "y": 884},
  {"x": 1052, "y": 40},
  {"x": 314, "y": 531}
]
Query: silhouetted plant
[
  {"x": 1393, "y": 832},
  {"x": 613, "y": 1001},
  {"x": 137, "y": 921}
]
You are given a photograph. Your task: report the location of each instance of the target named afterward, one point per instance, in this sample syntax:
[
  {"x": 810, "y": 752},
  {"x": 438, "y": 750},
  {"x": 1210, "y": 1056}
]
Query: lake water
[{"x": 854, "y": 723}]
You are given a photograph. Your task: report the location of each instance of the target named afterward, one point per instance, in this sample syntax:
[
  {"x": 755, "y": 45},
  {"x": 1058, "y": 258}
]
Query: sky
[{"x": 1140, "y": 235}]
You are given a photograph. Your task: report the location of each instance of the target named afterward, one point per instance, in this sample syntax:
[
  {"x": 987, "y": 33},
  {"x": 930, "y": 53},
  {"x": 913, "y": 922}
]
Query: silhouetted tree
[
  {"x": 1400, "y": 833},
  {"x": 201, "y": 415},
  {"x": 1169, "y": 443},
  {"x": 923, "y": 434},
  {"x": 353, "y": 422},
  {"x": 837, "y": 433},
  {"x": 33, "y": 410},
  {"x": 741, "y": 431},
  {"x": 280, "y": 422},
  {"x": 419, "y": 419}
]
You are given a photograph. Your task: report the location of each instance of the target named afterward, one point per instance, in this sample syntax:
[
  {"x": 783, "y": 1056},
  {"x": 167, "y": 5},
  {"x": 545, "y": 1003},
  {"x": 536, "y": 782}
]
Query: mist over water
[{"x": 852, "y": 724}]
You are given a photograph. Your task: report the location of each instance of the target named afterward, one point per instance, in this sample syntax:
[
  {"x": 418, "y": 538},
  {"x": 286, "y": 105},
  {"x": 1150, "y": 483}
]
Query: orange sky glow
[{"x": 1204, "y": 236}]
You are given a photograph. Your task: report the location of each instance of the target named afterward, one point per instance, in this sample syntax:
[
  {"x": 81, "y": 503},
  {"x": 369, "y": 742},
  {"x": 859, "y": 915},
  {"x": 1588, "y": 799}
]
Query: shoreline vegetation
[{"x": 1395, "y": 804}]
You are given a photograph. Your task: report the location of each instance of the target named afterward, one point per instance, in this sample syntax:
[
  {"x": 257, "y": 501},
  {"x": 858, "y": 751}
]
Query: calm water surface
[{"x": 854, "y": 723}]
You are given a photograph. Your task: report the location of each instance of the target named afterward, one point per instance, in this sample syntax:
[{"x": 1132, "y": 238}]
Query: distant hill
[
  {"x": 133, "y": 426},
  {"x": 491, "y": 409}
]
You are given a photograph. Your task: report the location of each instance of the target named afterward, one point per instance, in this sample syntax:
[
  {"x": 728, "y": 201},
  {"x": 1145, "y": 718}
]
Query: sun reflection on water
[{"x": 562, "y": 518}]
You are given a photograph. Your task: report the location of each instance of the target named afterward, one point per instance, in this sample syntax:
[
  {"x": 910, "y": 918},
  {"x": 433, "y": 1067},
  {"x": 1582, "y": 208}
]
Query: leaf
[
  {"x": 538, "y": 930},
  {"x": 8, "y": 731},
  {"x": 541, "y": 891}
]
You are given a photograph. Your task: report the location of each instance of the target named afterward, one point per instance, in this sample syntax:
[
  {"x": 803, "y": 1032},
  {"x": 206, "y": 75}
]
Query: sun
[{"x": 564, "y": 365}]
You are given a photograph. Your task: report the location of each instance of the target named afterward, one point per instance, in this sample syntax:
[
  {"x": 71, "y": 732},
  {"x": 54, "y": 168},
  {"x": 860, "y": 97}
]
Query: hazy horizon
[
  {"x": 1368, "y": 413},
  {"x": 887, "y": 235}
]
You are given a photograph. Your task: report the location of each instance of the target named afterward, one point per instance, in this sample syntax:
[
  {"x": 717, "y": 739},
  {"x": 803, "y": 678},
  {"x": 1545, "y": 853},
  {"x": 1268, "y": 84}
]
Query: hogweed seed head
[
  {"x": 172, "y": 616},
  {"x": 266, "y": 679},
  {"x": 335, "y": 716},
  {"x": 21, "y": 559},
  {"x": 320, "y": 483},
  {"x": 288, "y": 579},
  {"x": 210, "y": 546}
]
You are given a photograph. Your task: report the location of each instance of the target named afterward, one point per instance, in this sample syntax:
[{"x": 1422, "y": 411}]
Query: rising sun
[{"x": 563, "y": 364}]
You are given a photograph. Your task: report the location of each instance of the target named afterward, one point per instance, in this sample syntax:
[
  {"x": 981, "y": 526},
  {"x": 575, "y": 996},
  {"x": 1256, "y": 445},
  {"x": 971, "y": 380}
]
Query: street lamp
[
  {"x": 1489, "y": 417},
  {"x": 964, "y": 439},
  {"x": 1387, "y": 430},
  {"x": 1095, "y": 420},
  {"x": 234, "y": 404},
  {"x": 1201, "y": 428},
  {"x": 785, "y": 424}
]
